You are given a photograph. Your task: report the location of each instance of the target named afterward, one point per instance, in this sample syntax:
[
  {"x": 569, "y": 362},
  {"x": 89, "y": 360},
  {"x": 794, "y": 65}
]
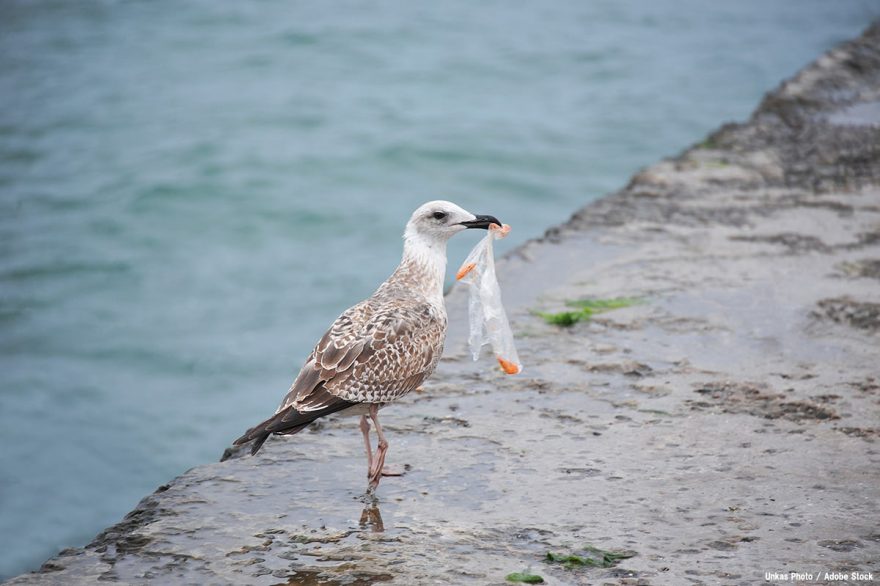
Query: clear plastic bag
[{"x": 488, "y": 321}]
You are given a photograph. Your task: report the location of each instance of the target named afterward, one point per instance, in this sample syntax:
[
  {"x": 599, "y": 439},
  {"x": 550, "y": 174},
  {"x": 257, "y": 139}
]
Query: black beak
[{"x": 481, "y": 222}]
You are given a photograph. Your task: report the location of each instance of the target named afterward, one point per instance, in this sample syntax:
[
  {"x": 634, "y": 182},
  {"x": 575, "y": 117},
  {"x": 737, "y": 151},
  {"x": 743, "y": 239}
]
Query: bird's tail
[
  {"x": 259, "y": 433},
  {"x": 286, "y": 422}
]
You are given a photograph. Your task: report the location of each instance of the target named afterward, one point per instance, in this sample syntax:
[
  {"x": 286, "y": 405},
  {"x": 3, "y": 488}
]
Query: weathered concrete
[{"x": 724, "y": 428}]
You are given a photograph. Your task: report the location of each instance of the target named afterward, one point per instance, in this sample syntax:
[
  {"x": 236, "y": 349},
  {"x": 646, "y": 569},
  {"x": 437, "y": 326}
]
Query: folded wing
[{"x": 373, "y": 353}]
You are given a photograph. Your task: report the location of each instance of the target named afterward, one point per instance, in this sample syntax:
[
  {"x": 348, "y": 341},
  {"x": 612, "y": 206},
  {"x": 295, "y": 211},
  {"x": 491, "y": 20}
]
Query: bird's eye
[{"x": 439, "y": 215}]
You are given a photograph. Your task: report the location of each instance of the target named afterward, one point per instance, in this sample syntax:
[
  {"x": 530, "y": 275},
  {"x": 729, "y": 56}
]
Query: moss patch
[
  {"x": 524, "y": 578},
  {"x": 584, "y": 309},
  {"x": 591, "y": 557}
]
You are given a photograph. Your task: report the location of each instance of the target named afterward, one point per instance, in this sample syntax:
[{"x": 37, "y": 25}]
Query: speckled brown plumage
[{"x": 375, "y": 352}]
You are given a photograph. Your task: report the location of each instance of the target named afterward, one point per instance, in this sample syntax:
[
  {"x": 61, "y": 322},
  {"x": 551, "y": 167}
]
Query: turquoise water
[{"x": 191, "y": 192}]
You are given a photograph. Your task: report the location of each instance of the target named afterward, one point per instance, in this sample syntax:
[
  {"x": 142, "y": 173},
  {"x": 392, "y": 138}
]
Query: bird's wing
[{"x": 372, "y": 353}]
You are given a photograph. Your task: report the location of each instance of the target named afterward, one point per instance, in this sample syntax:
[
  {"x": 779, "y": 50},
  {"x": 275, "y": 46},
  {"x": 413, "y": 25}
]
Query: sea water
[{"x": 190, "y": 192}]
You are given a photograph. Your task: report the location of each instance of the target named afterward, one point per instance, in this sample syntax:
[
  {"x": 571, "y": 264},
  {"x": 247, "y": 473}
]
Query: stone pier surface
[{"x": 723, "y": 429}]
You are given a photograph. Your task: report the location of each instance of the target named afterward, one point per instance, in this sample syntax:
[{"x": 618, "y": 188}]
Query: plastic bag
[{"x": 488, "y": 321}]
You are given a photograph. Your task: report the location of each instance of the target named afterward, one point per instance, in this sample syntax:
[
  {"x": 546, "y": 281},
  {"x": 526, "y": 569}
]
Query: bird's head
[{"x": 439, "y": 220}]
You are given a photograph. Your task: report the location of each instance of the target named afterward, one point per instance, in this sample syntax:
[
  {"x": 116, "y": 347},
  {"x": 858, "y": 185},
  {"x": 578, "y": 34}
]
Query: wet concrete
[{"x": 724, "y": 427}]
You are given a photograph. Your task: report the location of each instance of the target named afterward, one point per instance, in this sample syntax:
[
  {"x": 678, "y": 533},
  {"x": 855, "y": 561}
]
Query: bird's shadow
[{"x": 371, "y": 516}]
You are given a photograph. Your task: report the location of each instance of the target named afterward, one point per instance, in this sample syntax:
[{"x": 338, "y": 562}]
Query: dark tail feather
[
  {"x": 260, "y": 440},
  {"x": 261, "y": 432},
  {"x": 258, "y": 443},
  {"x": 286, "y": 422}
]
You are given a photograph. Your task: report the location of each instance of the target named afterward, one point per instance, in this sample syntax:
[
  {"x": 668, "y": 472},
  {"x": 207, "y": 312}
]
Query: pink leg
[
  {"x": 365, "y": 429},
  {"x": 379, "y": 461}
]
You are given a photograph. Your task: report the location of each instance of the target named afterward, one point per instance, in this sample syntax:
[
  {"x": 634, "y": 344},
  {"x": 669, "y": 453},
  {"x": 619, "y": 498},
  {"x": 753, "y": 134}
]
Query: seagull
[{"x": 382, "y": 348}]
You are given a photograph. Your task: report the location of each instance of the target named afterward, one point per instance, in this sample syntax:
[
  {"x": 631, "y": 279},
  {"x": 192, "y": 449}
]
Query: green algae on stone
[
  {"x": 563, "y": 318},
  {"x": 591, "y": 557},
  {"x": 524, "y": 578},
  {"x": 600, "y": 305},
  {"x": 585, "y": 310}
]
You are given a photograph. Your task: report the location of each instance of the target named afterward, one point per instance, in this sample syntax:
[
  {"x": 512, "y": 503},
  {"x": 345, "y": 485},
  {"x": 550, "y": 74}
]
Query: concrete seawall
[{"x": 722, "y": 429}]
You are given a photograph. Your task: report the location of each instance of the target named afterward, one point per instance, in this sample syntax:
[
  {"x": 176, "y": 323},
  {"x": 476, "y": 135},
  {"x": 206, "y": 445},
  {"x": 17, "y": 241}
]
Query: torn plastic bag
[{"x": 488, "y": 321}]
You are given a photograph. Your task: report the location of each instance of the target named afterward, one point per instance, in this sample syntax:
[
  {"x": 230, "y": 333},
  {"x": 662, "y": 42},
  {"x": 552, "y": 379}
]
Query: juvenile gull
[{"x": 382, "y": 348}]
